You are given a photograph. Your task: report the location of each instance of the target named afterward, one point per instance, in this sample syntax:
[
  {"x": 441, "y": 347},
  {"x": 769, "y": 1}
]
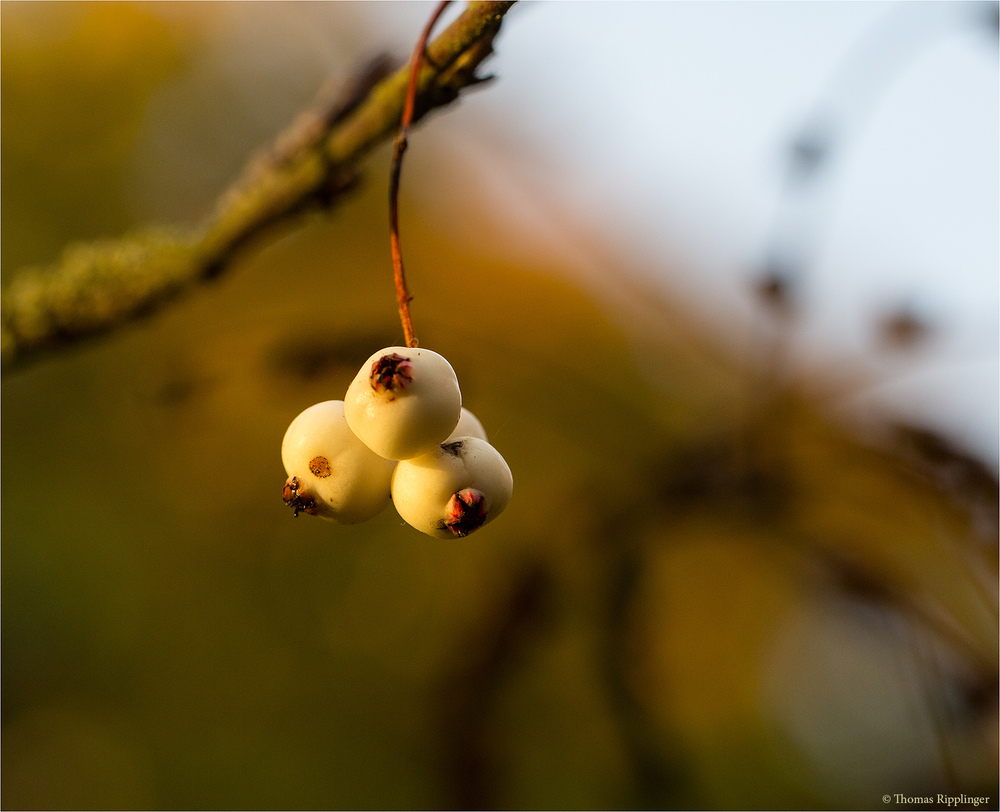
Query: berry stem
[{"x": 403, "y": 296}]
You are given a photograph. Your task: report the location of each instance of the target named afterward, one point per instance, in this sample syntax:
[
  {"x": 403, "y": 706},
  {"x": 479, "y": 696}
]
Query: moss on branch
[{"x": 97, "y": 287}]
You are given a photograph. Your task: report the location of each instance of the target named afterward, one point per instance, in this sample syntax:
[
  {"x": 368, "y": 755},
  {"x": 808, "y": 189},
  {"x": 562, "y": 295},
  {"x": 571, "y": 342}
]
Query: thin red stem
[{"x": 403, "y": 296}]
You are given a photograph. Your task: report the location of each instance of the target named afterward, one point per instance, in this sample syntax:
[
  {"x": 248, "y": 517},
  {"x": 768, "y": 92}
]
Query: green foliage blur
[{"x": 704, "y": 594}]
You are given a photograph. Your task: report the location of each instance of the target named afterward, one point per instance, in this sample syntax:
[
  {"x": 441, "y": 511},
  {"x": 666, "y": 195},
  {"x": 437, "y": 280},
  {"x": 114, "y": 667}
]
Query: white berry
[
  {"x": 454, "y": 489},
  {"x": 331, "y": 473},
  {"x": 468, "y": 426},
  {"x": 403, "y": 402}
]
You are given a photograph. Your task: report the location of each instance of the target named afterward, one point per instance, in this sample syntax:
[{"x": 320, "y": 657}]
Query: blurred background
[{"x": 720, "y": 279}]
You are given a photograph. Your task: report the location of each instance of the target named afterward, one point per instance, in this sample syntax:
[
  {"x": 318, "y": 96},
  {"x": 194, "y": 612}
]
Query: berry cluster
[{"x": 400, "y": 435}]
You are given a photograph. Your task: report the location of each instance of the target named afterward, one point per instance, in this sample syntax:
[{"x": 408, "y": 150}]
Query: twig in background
[{"x": 98, "y": 287}]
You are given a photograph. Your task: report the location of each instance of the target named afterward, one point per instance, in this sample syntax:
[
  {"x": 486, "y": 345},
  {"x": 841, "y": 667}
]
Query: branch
[{"x": 97, "y": 287}]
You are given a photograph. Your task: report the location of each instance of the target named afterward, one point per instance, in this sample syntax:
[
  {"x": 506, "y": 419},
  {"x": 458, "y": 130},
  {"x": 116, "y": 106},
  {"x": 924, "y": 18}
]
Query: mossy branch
[{"x": 97, "y": 287}]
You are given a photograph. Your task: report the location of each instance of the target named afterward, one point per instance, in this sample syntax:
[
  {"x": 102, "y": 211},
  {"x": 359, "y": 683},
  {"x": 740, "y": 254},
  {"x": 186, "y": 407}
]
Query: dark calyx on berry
[
  {"x": 466, "y": 512},
  {"x": 298, "y": 499},
  {"x": 390, "y": 373}
]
